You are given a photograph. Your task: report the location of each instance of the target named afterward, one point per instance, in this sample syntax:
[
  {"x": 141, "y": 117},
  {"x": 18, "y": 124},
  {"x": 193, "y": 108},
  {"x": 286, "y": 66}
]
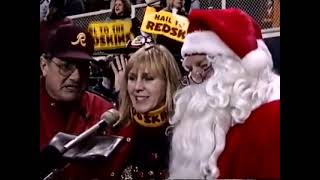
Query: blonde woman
[{"x": 150, "y": 79}]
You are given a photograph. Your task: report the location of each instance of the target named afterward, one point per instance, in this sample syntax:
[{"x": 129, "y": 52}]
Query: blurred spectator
[
  {"x": 165, "y": 3},
  {"x": 96, "y": 5},
  {"x": 105, "y": 87},
  {"x": 73, "y": 7},
  {"x": 44, "y": 9},
  {"x": 54, "y": 18},
  {"x": 195, "y": 4},
  {"x": 176, "y": 7},
  {"x": 121, "y": 9}
]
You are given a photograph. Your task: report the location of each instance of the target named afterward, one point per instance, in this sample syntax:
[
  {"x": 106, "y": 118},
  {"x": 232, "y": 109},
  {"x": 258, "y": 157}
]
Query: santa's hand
[{"x": 119, "y": 67}]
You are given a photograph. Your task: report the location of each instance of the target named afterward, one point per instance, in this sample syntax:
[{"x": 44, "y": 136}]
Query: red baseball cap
[{"x": 70, "y": 42}]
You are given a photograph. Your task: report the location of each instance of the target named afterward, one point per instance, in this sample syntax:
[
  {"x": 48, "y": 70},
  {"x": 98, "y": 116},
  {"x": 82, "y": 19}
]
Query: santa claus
[{"x": 227, "y": 121}]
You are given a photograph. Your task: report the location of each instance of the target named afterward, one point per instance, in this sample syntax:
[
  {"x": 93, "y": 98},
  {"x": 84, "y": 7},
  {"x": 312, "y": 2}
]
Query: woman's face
[
  {"x": 118, "y": 7},
  {"x": 146, "y": 89},
  {"x": 199, "y": 68}
]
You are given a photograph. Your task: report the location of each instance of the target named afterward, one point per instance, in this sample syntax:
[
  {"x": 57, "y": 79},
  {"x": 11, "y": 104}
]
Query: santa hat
[{"x": 228, "y": 32}]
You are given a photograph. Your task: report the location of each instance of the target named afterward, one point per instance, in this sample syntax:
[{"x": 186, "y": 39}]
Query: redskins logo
[{"x": 81, "y": 39}]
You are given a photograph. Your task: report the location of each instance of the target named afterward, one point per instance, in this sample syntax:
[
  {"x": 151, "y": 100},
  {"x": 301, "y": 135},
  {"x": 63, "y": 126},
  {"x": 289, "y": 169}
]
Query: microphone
[
  {"x": 51, "y": 156},
  {"x": 108, "y": 119}
]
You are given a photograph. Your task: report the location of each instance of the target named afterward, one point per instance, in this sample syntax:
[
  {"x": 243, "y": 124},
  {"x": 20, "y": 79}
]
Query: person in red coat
[
  {"x": 148, "y": 81},
  {"x": 227, "y": 121},
  {"x": 65, "y": 105}
]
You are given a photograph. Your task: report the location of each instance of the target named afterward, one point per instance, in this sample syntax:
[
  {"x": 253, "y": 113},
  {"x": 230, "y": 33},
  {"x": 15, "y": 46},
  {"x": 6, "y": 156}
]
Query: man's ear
[{"x": 44, "y": 65}]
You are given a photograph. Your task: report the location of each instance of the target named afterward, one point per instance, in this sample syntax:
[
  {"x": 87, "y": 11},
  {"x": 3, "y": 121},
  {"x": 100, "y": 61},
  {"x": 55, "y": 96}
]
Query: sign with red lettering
[{"x": 170, "y": 25}]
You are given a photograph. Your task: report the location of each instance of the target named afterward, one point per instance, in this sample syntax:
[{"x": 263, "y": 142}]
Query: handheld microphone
[
  {"x": 108, "y": 119},
  {"x": 52, "y": 154}
]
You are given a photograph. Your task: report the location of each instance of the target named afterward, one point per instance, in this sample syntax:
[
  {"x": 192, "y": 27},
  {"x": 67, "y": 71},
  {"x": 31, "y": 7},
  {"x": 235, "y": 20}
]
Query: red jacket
[
  {"x": 253, "y": 149},
  {"x": 69, "y": 118}
]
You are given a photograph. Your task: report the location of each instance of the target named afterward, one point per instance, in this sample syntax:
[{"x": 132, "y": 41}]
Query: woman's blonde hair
[{"x": 159, "y": 60}]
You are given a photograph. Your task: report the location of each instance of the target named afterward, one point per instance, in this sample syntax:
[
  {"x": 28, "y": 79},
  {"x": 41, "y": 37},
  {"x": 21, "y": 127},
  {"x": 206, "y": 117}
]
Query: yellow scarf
[{"x": 153, "y": 119}]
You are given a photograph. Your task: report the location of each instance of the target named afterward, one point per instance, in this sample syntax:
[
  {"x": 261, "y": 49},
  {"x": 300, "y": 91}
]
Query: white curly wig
[{"x": 205, "y": 112}]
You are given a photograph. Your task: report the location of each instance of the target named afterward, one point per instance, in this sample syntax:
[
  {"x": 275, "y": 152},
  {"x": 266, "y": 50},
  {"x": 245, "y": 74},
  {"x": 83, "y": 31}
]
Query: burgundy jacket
[{"x": 71, "y": 118}]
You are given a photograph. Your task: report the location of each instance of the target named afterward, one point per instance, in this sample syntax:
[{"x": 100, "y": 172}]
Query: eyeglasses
[
  {"x": 67, "y": 68},
  {"x": 188, "y": 79}
]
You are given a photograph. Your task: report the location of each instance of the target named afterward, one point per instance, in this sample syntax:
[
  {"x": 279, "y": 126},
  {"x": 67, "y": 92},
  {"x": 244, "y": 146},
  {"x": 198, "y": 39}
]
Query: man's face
[
  {"x": 198, "y": 67},
  {"x": 66, "y": 80}
]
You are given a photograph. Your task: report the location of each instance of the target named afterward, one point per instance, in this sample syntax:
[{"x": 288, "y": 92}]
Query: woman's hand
[{"x": 119, "y": 67}]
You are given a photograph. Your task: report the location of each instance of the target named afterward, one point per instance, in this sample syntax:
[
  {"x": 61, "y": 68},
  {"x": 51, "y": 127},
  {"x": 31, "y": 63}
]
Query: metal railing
[{"x": 265, "y": 12}]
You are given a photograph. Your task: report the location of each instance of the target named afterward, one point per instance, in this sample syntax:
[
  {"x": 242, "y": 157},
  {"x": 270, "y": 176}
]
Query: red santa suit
[{"x": 252, "y": 148}]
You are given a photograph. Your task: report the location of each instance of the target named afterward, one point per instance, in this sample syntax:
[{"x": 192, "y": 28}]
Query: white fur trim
[
  {"x": 257, "y": 60},
  {"x": 275, "y": 83},
  {"x": 210, "y": 43},
  {"x": 264, "y": 47},
  {"x": 204, "y": 42}
]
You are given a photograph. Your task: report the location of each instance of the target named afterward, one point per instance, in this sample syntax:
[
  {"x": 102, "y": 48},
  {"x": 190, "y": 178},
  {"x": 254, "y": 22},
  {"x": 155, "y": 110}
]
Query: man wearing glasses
[
  {"x": 226, "y": 123},
  {"x": 65, "y": 105}
]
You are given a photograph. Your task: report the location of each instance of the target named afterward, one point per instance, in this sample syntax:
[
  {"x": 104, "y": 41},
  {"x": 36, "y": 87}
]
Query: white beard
[
  {"x": 199, "y": 137},
  {"x": 195, "y": 162},
  {"x": 205, "y": 112}
]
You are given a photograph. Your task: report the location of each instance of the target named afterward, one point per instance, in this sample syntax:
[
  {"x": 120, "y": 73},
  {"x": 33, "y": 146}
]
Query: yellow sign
[
  {"x": 110, "y": 35},
  {"x": 170, "y": 25}
]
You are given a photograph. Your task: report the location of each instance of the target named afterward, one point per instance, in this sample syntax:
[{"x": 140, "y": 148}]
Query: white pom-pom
[{"x": 256, "y": 61}]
